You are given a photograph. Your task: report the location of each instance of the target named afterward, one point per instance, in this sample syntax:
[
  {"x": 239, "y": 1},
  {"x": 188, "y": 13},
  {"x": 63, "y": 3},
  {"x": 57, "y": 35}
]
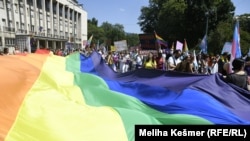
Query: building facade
[{"x": 52, "y": 23}]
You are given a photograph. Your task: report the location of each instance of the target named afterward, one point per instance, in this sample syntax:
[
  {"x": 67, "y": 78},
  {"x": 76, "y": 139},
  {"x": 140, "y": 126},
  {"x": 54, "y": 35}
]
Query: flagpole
[{"x": 206, "y": 14}]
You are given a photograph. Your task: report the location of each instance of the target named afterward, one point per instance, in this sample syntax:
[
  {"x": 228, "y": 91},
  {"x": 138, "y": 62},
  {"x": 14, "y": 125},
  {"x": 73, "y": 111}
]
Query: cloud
[{"x": 122, "y": 10}]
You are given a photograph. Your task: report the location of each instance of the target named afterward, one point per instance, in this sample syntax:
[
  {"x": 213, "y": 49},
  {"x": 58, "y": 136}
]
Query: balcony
[
  {"x": 49, "y": 35},
  {"x": 55, "y": 36},
  {"x": 8, "y": 29},
  {"x": 22, "y": 31},
  {"x": 41, "y": 34}
]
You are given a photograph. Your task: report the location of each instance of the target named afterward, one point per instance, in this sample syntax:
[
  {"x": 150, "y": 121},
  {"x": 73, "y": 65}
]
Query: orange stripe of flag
[{"x": 21, "y": 72}]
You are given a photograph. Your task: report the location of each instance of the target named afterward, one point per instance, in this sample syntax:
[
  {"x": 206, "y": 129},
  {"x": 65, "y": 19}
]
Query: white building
[{"x": 51, "y": 22}]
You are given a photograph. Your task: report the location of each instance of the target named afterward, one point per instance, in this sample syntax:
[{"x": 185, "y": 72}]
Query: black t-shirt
[{"x": 238, "y": 80}]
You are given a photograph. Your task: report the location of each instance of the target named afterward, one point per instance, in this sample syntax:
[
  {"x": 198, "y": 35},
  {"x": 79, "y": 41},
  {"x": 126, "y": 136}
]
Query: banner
[
  {"x": 121, "y": 45},
  {"x": 112, "y": 48},
  {"x": 179, "y": 45},
  {"x": 80, "y": 98},
  {"x": 227, "y": 47},
  {"x": 147, "y": 41}
]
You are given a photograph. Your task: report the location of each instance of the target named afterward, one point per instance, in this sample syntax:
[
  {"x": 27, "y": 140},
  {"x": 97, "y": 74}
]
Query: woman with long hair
[{"x": 150, "y": 62}]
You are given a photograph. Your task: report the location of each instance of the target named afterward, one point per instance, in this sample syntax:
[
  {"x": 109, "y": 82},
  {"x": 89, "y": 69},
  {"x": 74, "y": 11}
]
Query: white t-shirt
[{"x": 173, "y": 61}]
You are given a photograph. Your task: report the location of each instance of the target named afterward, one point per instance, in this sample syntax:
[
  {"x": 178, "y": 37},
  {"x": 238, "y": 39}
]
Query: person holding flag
[{"x": 236, "y": 50}]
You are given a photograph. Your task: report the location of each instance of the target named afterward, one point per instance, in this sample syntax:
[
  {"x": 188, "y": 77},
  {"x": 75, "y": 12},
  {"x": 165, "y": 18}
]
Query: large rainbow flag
[{"x": 76, "y": 98}]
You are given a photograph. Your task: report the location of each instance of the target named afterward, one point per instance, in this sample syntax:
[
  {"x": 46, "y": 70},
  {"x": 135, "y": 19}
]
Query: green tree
[
  {"x": 97, "y": 32},
  {"x": 244, "y": 20},
  {"x": 224, "y": 33},
  {"x": 172, "y": 28},
  {"x": 132, "y": 39},
  {"x": 179, "y": 19},
  {"x": 148, "y": 20},
  {"x": 93, "y": 21},
  {"x": 244, "y": 41},
  {"x": 219, "y": 36},
  {"x": 108, "y": 33}
]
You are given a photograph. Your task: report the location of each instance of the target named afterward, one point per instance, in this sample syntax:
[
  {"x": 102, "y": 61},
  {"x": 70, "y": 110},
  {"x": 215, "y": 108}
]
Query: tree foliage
[
  {"x": 178, "y": 20},
  {"x": 107, "y": 33},
  {"x": 187, "y": 19}
]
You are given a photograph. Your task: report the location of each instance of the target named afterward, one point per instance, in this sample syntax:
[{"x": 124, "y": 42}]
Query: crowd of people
[
  {"x": 186, "y": 62},
  {"x": 174, "y": 60}
]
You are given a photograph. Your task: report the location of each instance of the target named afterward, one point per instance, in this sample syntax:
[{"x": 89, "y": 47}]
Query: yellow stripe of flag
[{"x": 54, "y": 110}]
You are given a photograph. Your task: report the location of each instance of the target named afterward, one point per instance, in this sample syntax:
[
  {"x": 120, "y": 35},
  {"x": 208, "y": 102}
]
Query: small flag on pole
[
  {"x": 203, "y": 45},
  {"x": 160, "y": 41},
  {"x": 185, "y": 49},
  {"x": 90, "y": 40},
  {"x": 236, "y": 50}
]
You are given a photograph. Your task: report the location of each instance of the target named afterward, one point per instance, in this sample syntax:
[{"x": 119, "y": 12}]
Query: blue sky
[{"x": 126, "y": 12}]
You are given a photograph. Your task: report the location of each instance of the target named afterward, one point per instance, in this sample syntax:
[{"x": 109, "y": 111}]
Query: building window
[
  {"x": 41, "y": 15},
  {"x": 71, "y": 15},
  {"x": 47, "y": 6},
  {"x": 21, "y": 10},
  {"x": 10, "y": 23},
  {"x": 12, "y": 41},
  {"x": 39, "y": 4},
  {"x": 28, "y": 11},
  {"x": 66, "y": 13},
  {"x": 9, "y": 6},
  {"x": 40, "y": 22},
  {"x": 6, "y": 41},
  {"x": 17, "y": 25},
  {"x": 4, "y": 22},
  {"x": 32, "y": 27},
  {"x": 22, "y": 26},
  {"x": 60, "y": 10},
  {"x": 75, "y": 14},
  {"x": 32, "y": 14},
  {"x": 29, "y": 2},
  {"x": 9, "y": 41},
  {"x": 48, "y": 18},
  {"x": 16, "y": 8},
  {"x": 1, "y": 4},
  {"x": 48, "y": 24},
  {"x": 54, "y": 8}
]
